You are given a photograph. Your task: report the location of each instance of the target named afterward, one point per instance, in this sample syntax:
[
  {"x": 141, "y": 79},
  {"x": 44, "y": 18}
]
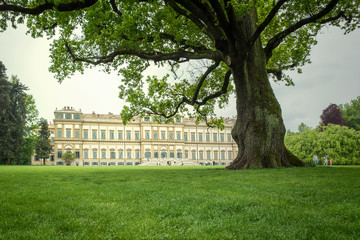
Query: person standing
[
  {"x": 315, "y": 159},
  {"x": 325, "y": 159}
]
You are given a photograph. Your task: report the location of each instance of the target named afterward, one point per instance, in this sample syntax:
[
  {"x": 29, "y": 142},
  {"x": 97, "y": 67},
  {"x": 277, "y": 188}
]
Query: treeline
[
  {"x": 18, "y": 120},
  {"x": 338, "y": 135}
]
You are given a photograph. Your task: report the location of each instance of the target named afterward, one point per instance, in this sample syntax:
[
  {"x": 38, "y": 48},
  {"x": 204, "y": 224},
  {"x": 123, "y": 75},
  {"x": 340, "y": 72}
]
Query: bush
[{"x": 339, "y": 142}]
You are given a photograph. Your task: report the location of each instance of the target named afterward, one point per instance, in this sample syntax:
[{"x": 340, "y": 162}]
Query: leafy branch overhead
[{"x": 127, "y": 35}]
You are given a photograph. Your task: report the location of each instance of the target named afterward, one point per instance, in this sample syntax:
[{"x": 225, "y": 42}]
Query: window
[
  {"x": 186, "y": 154},
  {"x": 102, "y": 134},
  {"x": 112, "y": 155},
  {"x": 147, "y": 155},
  {"x": 85, "y": 134},
  {"x": 77, "y": 154},
  {"x": 77, "y": 134},
  {"x": 223, "y": 155},
  {"x": 163, "y": 135},
  {"x": 120, "y": 164},
  {"x": 192, "y": 136},
  {"x": 52, "y": 158},
  {"x": 222, "y": 138},
  {"x": 68, "y": 116},
  {"x": 208, "y": 137},
  {"x": 229, "y": 137},
  {"x": 230, "y": 155},
  {"x": 120, "y": 135},
  {"x": 111, "y": 134},
  {"x": 52, "y": 139},
  {"x": 103, "y": 154},
  {"x": 137, "y": 154},
  {"x": 95, "y": 164},
  {"x": 129, "y": 155},
  {"x": 68, "y": 133},
  {"x": 200, "y": 137},
  {"x": 94, "y": 154},
  {"x": 208, "y": 155},
  {"x": 193, "y": 155},
  {"x": 215, "y": 137},
  {"x": 129, "y": 164},
  {"x": 94, "y": 134},
  {"x": 120, "y": 154},
  {"x": 128, "y": 135},
  {"x": 172, "y": 154},
  {"x": 156, "y": 155},
  {"x": 59, "y": 133},
  {"x": 163, "y": 154},
  {"x": 147, "y": 135},
  {"x": 178, "y": 136},
  {"x": 86, "y": 154},
  {"x": 155, "y": 135},
  {"x": 59, "y": 116},
  {"x": 185, "y": 136},
  {"x": 201, "y": 155},
  {"x": 59, "y": 154},
  {"x": 146, "y": 119},
  {"x": 76, "y": 116},
  {"x": 178, "y": 120},
  {"x": 171, "y": 135},
  {"x": 137, "y": 135},
  {"x": 215, "y": 155},
  {"x": 179, "y": 154}
]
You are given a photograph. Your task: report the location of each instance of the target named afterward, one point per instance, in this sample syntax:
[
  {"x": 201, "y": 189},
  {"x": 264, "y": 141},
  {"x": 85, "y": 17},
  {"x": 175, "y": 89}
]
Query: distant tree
[
  {"x": 30, "y": 135},
  {"x": 68, "y": 157},
  {"x": 303, "y": 127},
  {"x": 332, "y": 114},
  {"x": 12, "y": 117},
  {"x": 43, "y": 146},
  {"x": 351, "y": 113}
]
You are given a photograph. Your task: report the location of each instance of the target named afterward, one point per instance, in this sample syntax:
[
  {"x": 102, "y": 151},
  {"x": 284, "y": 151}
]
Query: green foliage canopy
[
  {"x": 43, "y": 146},
  {"x": 127, "y": 35}
]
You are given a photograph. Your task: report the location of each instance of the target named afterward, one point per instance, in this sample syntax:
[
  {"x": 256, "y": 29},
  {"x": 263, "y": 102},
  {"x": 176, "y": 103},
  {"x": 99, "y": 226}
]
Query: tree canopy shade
[{"x": 235, "y": 46}]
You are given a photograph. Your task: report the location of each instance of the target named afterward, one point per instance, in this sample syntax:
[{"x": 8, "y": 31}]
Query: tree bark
[{"x": 259, "y": 129}]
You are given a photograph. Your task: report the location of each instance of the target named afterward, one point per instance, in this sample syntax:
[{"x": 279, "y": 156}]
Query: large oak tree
[{"x": 241, "y": 44}]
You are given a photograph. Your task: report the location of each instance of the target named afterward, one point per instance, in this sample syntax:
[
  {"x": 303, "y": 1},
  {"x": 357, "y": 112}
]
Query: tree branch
[
  {"x": 267, "y": 21},
  {"x": 62, "y": 7},
  {"x": 202, "y": 79},
  {"x": 155, "y": 56},
  {"x": 115, "y": 8},
  {"x": 276, "y": 40},
  {"x": 222, "y": 91}
]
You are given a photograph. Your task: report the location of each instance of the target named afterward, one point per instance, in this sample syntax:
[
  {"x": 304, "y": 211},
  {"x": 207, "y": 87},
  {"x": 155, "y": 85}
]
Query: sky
[{"x": 332, "y": 77}]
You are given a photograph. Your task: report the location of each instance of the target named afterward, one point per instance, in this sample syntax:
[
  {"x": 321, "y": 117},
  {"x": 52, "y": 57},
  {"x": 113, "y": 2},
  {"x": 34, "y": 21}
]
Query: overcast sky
[{"x": 333, "y": 77}]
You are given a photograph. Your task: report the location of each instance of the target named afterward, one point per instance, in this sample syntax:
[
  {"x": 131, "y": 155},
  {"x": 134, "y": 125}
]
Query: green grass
[{"x": 179, "y": 203}]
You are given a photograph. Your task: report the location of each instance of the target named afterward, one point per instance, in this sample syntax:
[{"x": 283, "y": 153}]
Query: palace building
[{"x": 102, "y": 139}]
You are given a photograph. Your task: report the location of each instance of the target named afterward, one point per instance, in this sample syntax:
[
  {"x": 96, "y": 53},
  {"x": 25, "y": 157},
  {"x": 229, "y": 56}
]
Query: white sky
[{"x": 333, "y": 77}]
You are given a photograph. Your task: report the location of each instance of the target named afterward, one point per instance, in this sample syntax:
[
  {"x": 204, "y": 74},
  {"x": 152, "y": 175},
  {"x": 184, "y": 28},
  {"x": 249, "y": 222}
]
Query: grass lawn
[{"x": 59, "y": 202}]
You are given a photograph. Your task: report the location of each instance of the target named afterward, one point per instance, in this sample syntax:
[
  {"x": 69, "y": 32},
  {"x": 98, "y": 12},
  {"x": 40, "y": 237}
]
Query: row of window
[
  {"x": 77, "y": 116},
  {"x": 129, "y": 155},
  {"x": 67, "y": 116},
  {"x": 163, "y": 135}
]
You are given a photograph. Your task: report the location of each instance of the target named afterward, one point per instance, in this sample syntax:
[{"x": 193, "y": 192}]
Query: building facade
[{"x": 102, "y": 139}]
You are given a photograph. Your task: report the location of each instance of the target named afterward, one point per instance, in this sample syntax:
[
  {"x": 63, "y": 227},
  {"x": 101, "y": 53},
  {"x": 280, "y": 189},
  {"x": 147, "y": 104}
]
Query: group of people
[{"x": 316, "y": 160}]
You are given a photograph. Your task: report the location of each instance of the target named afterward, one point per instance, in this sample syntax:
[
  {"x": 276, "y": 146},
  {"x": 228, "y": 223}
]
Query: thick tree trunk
[{"x": 259, "y": 129}]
